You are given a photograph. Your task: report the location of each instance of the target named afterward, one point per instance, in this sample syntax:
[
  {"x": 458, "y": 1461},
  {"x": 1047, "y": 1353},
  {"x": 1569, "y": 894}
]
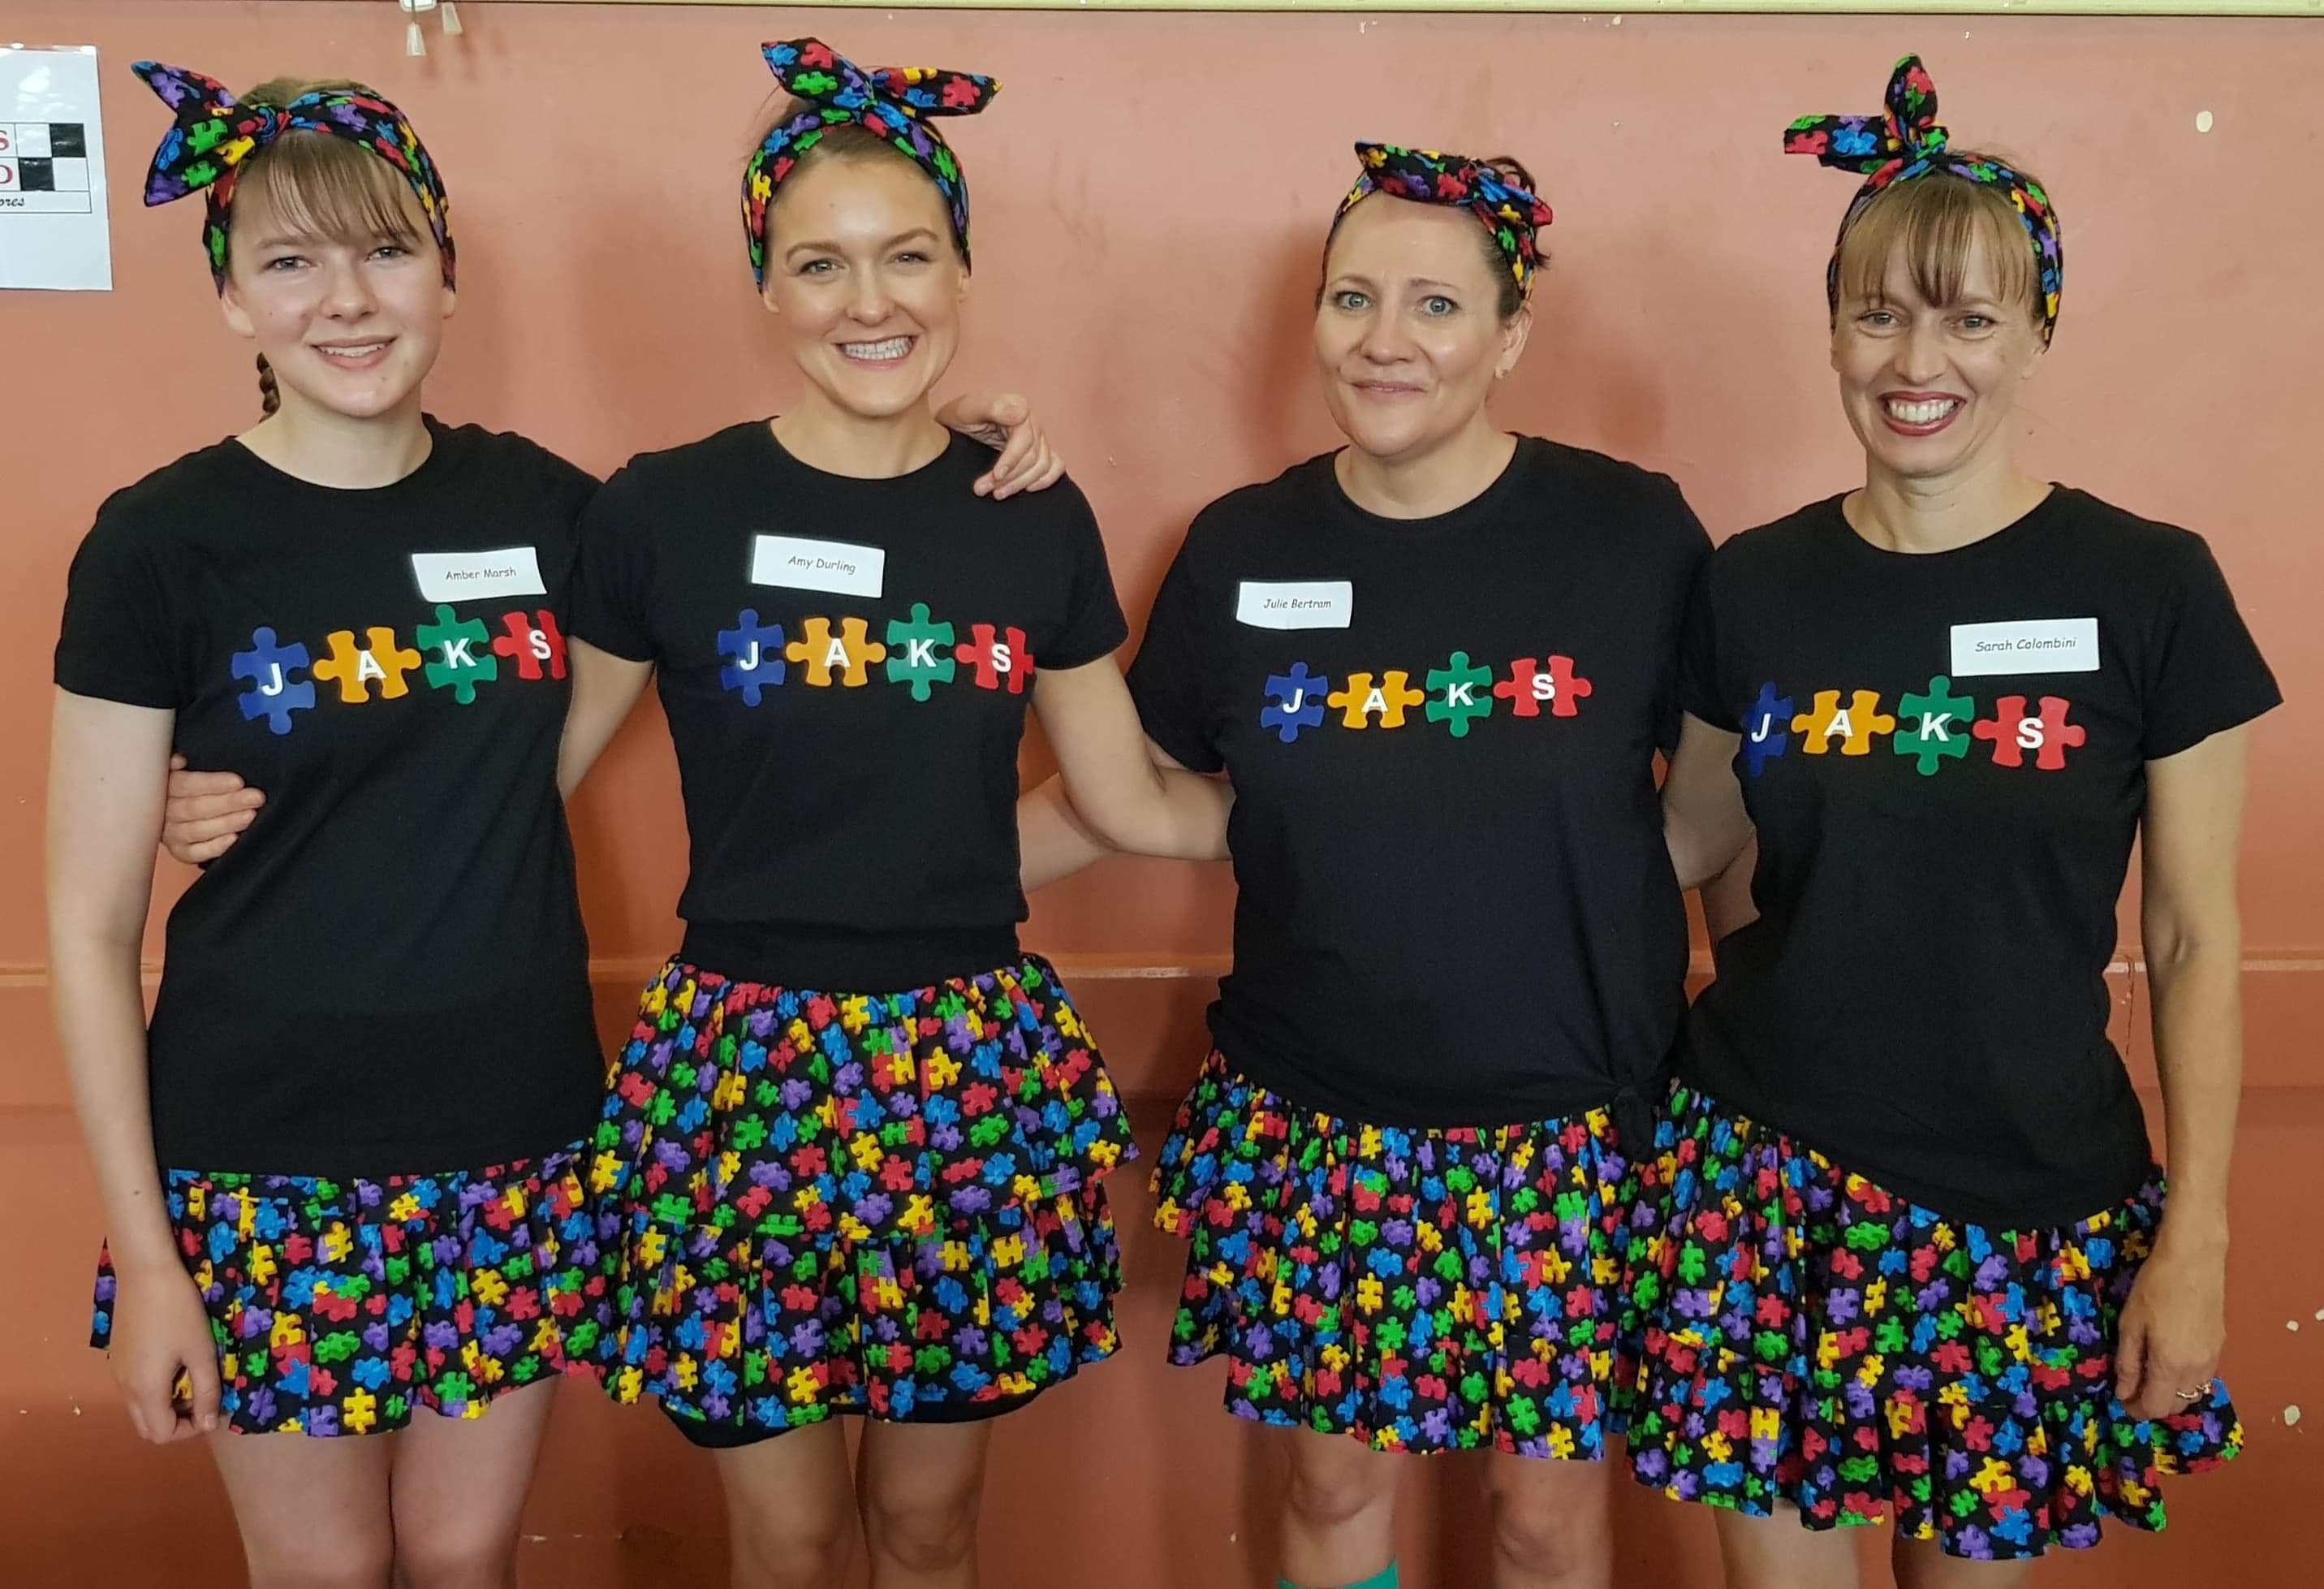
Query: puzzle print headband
[
  {"x": 889, "y": 102},
  {"x": 1513, "y": 216},
  {"x": 216, "y": 132},
  {"x": 1905, "y": 143}
]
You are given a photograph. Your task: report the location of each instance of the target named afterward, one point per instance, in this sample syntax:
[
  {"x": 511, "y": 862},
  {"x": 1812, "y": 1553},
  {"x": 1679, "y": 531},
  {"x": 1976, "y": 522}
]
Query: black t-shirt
[
  {"x": 388, "y": 974},
  {"x": 1945, "y": 755},
  {"x": 1455, "y": 905},
  {"x": 845, "y": 665}
]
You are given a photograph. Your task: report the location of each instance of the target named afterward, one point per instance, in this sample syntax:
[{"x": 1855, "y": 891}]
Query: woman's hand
[
  {"x": 1004, "y": 420},
  {"x": 163, "y": 1354},
  {"x": 206, "y": 813},
  {"x": 2173, "y": 1331}
]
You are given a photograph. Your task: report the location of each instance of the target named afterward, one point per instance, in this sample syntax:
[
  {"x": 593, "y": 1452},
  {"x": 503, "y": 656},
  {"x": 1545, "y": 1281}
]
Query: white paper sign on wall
[{"x": 53, "y": 230}]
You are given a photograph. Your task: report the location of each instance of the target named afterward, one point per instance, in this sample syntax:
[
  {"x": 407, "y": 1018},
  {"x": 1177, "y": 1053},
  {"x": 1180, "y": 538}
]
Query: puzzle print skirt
[
  {"x": 1419, "y": 1290},
  {"x": 340, "y": 1306},
  {"x": 848, "y": 1202},
  {"x": 1811, "y": 1338}
]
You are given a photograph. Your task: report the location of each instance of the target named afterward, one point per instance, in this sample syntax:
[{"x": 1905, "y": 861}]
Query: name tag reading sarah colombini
[
  {"x": 834, "y": 567},
  {"x": 1296, "y": 603},
  {"x": 474, "y": 576},
  {"x": 2039, "y": 645}
]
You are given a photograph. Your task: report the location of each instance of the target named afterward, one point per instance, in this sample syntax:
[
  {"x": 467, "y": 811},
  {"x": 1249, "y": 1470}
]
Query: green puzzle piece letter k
[
  {"x": 919, "y": 653},
  {"x": 451, "y": 648},
  {"x": 1467, "y": 694},
  {"x": 1943, "y": 726}
]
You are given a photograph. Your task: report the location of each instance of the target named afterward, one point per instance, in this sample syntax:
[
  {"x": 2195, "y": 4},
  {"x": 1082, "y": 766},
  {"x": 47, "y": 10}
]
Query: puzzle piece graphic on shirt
[
  {"x": 2011, "y": 732},
  {"x": 1766, "y": 728},
  {"x": 1943, "y": 729},
  {"x": 379, "y": 657},
  {"x": 1461, "y": 707},
  {"x": 1362, "y": 697},
  {"x": 1527, "y": 686},
  {"x": 758, "y": 653},
  {"x": 1855, "y": 724},
  {"x": 995, "y": 658},
  {"x": 272, "y": 695},
  {"x": 849, "y": 650},
  {"x": 460, "y": 668},
  {"x": 531, "y": 643},
  {"x": 1299, "y": 696},
  {"x": 921, "y": 653}
]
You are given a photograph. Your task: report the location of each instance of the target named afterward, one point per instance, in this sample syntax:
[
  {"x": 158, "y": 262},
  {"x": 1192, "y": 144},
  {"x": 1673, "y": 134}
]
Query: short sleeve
[
  {"x": 1094, "y": 627},
  {"x": 1690, "y": 550},
  {"x": 2204, "y": 672},
  {"x": 565, "y": 490},
  {"x": 1700, "y": 693},
  {"x": 613, "y": 578},
  {"x": 114, "y": 642},
  {"x": 1167, "y": 679},
  {"x": 571, "y": 487}
]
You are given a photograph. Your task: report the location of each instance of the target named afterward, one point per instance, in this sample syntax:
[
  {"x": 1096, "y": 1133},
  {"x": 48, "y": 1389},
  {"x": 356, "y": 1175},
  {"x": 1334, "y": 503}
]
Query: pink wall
[{"x": 1151, "y": 192}]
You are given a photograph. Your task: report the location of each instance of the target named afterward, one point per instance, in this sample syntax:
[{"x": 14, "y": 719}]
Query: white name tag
[
  {"x": 2039, "y": 645},
  {"x": 472, "y": 576},
  {"x": 1296, "y": 603},
  {"x": 833, "y": 566}
]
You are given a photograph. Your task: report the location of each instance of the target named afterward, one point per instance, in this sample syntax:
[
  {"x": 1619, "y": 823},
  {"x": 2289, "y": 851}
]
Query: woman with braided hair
[
  {"x": 1908, "y": 1252},
  {"x": 344, "y": 1173},
  {"x": 348, "y": 1172}
]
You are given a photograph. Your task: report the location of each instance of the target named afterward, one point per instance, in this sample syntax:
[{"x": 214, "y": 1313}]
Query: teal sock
[{"x": 1384, "y": 1578}]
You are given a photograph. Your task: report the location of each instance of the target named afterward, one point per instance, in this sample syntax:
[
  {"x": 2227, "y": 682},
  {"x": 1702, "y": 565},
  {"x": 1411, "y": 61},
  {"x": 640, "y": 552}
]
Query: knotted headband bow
[
  {"x": 216, "y": 132},
  {"x": 1510, "y": 213},
  {"x": 889, "y": 102},
  {"x": 1905, "y": 143}
]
